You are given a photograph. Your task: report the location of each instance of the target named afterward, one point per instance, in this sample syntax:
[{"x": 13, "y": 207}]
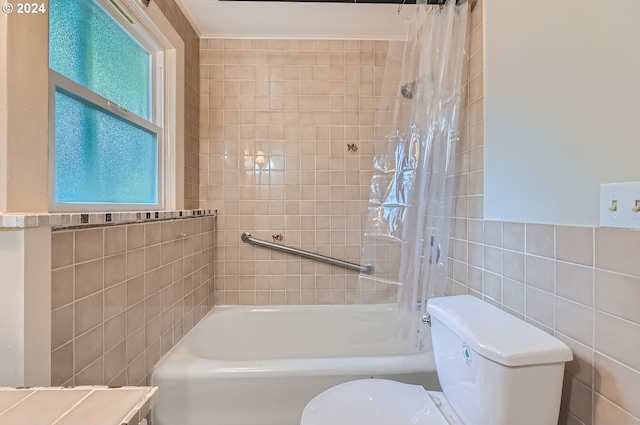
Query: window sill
[{"x": 59, "y": 221}]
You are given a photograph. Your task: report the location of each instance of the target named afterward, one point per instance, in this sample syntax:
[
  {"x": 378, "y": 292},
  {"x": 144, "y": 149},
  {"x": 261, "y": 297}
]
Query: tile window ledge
[
  {"x": 87, "y": 220},
  {"x": 89, "y": 405}
]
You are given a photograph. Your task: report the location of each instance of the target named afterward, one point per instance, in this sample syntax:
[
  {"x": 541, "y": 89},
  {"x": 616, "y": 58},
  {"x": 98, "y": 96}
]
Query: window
[{"x": 108, "y": 109}]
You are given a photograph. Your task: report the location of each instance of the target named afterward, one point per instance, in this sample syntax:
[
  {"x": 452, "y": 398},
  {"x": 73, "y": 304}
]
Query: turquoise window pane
[
  {"x": 100, "y": 158},
  {"x": 89, "y": 47}
]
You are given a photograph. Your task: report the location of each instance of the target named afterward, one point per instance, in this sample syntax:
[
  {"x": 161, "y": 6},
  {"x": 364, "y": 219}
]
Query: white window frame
[{"x": 156, "y": 34}]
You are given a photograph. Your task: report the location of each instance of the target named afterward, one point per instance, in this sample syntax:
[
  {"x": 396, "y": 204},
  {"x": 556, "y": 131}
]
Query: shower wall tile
[
  {"x": 109, "y": 306},
  {"x": 287, "y": 132},
  {"x": 580, "y": 283}
]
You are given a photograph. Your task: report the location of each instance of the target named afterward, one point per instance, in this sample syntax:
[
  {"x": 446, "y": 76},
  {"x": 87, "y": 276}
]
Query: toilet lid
[{"x": 373, "y": 402}]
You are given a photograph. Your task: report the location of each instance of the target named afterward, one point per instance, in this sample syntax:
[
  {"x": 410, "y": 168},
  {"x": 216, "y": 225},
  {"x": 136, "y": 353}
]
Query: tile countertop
[{"x": 90, "y": 405}]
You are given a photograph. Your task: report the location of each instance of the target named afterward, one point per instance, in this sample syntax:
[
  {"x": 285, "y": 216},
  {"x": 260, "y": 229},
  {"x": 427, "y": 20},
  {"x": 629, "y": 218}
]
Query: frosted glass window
[
  {"x": 100, "y": 158},
  {"x": 89, "y": 47},
  {"x": 107, "y": 146}
]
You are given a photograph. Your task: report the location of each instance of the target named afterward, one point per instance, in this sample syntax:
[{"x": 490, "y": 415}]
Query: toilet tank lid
[{"x": 495, "y": 334}]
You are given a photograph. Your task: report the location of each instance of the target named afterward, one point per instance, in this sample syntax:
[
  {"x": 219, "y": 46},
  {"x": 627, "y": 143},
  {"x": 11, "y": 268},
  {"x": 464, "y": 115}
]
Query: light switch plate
[{"x": 625, "y": 196}]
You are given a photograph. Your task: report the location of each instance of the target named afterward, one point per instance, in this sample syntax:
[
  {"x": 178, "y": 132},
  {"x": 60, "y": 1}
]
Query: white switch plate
[{"x": 625, "y": 195}]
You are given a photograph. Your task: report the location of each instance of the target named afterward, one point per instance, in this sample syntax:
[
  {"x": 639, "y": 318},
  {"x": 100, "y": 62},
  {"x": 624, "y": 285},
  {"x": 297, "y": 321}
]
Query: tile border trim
[{"x": 65, "y": 221}]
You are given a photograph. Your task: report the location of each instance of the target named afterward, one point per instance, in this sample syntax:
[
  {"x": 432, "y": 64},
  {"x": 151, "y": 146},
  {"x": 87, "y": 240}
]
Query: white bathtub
[{"x": 261, "y": 365}]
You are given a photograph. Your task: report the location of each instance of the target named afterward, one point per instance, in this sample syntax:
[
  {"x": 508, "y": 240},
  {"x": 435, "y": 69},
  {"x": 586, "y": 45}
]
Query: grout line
[
  {"x": 17, "y": 402},
  {"x": 612, "y": 402},
  {"x": 72, "y": 407}
]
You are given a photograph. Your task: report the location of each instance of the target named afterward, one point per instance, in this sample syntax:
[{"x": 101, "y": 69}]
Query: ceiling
[{"x": 214, "y": 19}]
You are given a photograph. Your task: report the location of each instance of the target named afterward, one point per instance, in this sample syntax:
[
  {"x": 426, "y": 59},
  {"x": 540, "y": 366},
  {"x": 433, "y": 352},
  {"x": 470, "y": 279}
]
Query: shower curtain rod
[{"x": 247, "y": 238}]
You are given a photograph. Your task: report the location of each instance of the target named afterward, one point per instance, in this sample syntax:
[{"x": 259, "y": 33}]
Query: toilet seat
[{"x": 377, "y": 402}]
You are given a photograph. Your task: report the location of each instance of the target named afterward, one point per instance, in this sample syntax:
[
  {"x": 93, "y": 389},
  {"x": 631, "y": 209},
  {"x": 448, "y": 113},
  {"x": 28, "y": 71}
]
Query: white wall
[
  {"x": 11, "y": 307},
  {"x": 214, "y": 18},
  {"x": 25, "y": 307},
  {"x": 562, "y": 90}
]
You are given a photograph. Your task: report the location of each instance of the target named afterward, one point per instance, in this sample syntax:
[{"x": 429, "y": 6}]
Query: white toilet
[{"x": 494, "y": 369}]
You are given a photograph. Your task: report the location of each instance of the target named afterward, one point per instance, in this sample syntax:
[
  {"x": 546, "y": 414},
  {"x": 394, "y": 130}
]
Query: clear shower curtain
[{"x": 418, "y": 126}]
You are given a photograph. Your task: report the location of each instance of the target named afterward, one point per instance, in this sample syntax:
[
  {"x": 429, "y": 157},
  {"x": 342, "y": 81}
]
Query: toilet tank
[{"x": 494, "y": 368}]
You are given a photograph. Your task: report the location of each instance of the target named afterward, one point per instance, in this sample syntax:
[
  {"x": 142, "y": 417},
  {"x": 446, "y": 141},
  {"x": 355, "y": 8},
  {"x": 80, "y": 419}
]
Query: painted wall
[
  {"x": 581, "y": 284},
  {"x": 561, "y": 119},
  {"x": 24, "y": 113},
  {"x": 312, "y": 20}
]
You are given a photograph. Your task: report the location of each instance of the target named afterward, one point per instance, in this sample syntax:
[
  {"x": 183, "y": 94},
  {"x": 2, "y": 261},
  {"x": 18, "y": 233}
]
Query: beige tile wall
[
  {"x": 581, "y": 284},
  {"x": 277, "y": 118},
  {"x": 192, "y": 99},
  {"x": 122, "y": 296}
]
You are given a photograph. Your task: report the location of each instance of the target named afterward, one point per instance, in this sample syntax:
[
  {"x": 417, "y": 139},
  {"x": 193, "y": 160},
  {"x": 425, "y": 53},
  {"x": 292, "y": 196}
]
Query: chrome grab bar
[{"x": 247, "y": 238}]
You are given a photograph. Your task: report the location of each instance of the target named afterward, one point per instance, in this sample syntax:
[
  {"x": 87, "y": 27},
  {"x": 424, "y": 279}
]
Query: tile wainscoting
[
  {"x": 123, "y": 295},
  {"x": 581, "y": 284}
]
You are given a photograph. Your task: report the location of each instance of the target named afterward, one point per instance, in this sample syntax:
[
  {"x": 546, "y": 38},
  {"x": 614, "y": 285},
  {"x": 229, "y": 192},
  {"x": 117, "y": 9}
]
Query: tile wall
[
  {"x": 287, "y": 129},
  {"x": 581, "y": 284},
  {"x": 192, "y": 99},
  {"x": 122, "y": 296}
]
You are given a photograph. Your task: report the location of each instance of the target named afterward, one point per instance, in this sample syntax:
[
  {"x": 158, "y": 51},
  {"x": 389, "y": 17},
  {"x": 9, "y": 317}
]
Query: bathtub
[{"x": 261, "y": 365}]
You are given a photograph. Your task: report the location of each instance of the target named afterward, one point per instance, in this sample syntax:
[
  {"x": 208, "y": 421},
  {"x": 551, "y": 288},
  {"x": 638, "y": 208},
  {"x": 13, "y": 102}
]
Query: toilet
[{"x": 494, "y": 369}]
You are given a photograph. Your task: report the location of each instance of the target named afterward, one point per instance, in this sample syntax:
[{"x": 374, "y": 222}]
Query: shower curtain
[{"x": 406, "y": 237}]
